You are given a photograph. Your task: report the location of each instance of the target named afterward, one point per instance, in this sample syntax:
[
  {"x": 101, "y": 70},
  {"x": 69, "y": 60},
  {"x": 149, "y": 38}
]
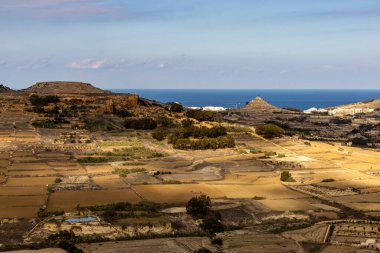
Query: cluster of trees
[
  {"x": 192, "y": 137},
  {"x": 204, "y": 143},
  {"x": 204, "y": 115},
  {"x": 199, "y": 207},
  {"x": 97, "y": 123},
  {"x": 199, "y": 132},
  {"x": 340, "y": 121},
  {"x": 43, "y": 100},
  {"x": 49, "y": 123},
  {"x": 141, "y": 123},
  {"x": 269, "y": 131}
]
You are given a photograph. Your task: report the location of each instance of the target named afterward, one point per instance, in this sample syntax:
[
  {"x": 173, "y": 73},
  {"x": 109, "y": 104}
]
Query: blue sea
[{"x": 300, "y": 99}]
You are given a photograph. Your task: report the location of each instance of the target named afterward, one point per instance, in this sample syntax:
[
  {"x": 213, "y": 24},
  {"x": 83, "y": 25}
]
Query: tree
[
  {"x": 212, "y": 225},
  {"x": 269, "y": 131},
  {"x": 285, "y": 176},
  {"x": 199, "y": 207}
]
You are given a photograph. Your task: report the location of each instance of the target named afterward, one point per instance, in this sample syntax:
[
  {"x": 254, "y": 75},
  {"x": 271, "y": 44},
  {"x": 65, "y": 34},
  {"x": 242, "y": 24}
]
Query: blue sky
[{"x": 192, "y": 43}]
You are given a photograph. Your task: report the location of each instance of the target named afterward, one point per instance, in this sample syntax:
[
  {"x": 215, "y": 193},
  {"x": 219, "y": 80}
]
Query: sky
[{"x": 213, "y": 44}]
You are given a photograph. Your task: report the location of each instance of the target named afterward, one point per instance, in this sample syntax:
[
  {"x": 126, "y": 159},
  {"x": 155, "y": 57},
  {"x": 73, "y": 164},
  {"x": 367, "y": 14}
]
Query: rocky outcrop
[{"x": 64, "y": 88}]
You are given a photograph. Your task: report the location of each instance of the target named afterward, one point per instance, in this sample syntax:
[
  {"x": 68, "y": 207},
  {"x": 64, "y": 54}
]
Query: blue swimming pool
[{"x": 81, "y": 219}]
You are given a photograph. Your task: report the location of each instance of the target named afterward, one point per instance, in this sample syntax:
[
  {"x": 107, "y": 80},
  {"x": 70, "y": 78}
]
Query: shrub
[
  {"x": 52, "y": 124},
  {"x": 269, "y": 131},
  {"x": 217, "y": 241},
  {"x": 125, "y": 172},
  {"x": 187, "y": 123},
  {"x": 285, "y": 176},
  {"x": 198, "y": 207},
  {"x": 140, "y": 124},
  {"x": 204, "y": 115},
  {"x": 90, "y": 159},
  {"x": 123, "y": 113},
  {"x": 171, "y": 181},
  {"x": 160, "y": 133},
  {"x": 307, "y": 143},
  {"x": 58, "y": 180},
  {"x": 174, "y": 107},
  {"x": 97, "y": 123},
  {"x": 328, "y": 180},
  {"x": 43, "y": 100},
  {"x": 203, "y": 250},
  {"x": 212, "y": 225}
]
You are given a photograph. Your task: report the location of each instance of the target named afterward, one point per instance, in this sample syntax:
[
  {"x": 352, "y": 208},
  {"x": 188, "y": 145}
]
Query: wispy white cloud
[{"x": 88, "y": 64}]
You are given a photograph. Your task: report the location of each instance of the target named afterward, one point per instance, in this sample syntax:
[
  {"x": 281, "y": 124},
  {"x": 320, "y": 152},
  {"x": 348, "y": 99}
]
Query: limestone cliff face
[
  {"x": 120, "y": 102},
  {"x": 64, "y": 88}
]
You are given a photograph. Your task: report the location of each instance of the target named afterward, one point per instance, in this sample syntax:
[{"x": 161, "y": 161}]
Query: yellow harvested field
[
  {"x": 180, "y": 193},
  {"x": 109, "y": 181},
  {"x": 99, "y": 168},
  {"x": 362, "y": 198},
  {"x": 32, "y": 173},
  {"x": 68, "y": 200},
  {"x": 19, "y": 212},
  {"x": 30, "y": 181},
  {"x": 63, "y": 164},
  {"x": 364, "y": 206},
  {"x": 269, "y": 191},
  {"x": 21, "y": 201},
  {"x": 22, "y": 190},
  {"x": 290, "y": 204},
  {"x": 29, "y": 166}
]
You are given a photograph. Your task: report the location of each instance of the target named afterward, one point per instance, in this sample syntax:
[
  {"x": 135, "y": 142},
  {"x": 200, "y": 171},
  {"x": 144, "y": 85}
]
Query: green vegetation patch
[
  {"x": 126, "y": 172},
  {"x": 285, "y": 176},
  {"x": 327, "y": 180},
  {"x": 134, "y": 153},
  {"x": 270, "y": 131},
  {"x": 171, "y": 181}
]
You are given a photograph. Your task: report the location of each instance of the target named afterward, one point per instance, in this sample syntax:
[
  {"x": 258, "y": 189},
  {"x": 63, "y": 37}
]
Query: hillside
[
  {"x": 371, "y": 104},
  {"x": 260, "y": 104},
  {"x": 64, "y": 88},
  {"x": 4, "y": 89}
]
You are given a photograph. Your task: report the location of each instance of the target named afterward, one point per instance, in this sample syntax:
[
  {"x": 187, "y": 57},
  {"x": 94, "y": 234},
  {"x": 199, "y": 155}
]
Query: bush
[
  {"x": 97, "y": 123},
  {"x": 217, "y": 241},
  {"x": 327, "y": 180},
  {"x": 204, "y": 115},
  {"x": 199, "y": 207},
  {"x": 160, "y": 133},
  {"x": 269, "y": 131},
  {"x": 174, "y": 107},
  {"x": 285, "y": 176},
  {"x": 140, "y": 124},
  {"x": 58, "y": 180},
  {"x": 125, "y": 172},
  {"x": 203, "y": 250},
  {"x": 212, "y": 225},
  {"x": 90, "y": 159},
  {"x": 171, "y": 181},
  {"x": 52, "y": 124},
  {"x": 187, "y": 123},
  {"x": 43, "y": 100}
]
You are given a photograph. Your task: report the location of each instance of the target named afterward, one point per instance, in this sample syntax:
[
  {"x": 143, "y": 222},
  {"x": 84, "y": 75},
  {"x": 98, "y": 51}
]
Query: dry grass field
[{"x": 68, "y": 200}]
